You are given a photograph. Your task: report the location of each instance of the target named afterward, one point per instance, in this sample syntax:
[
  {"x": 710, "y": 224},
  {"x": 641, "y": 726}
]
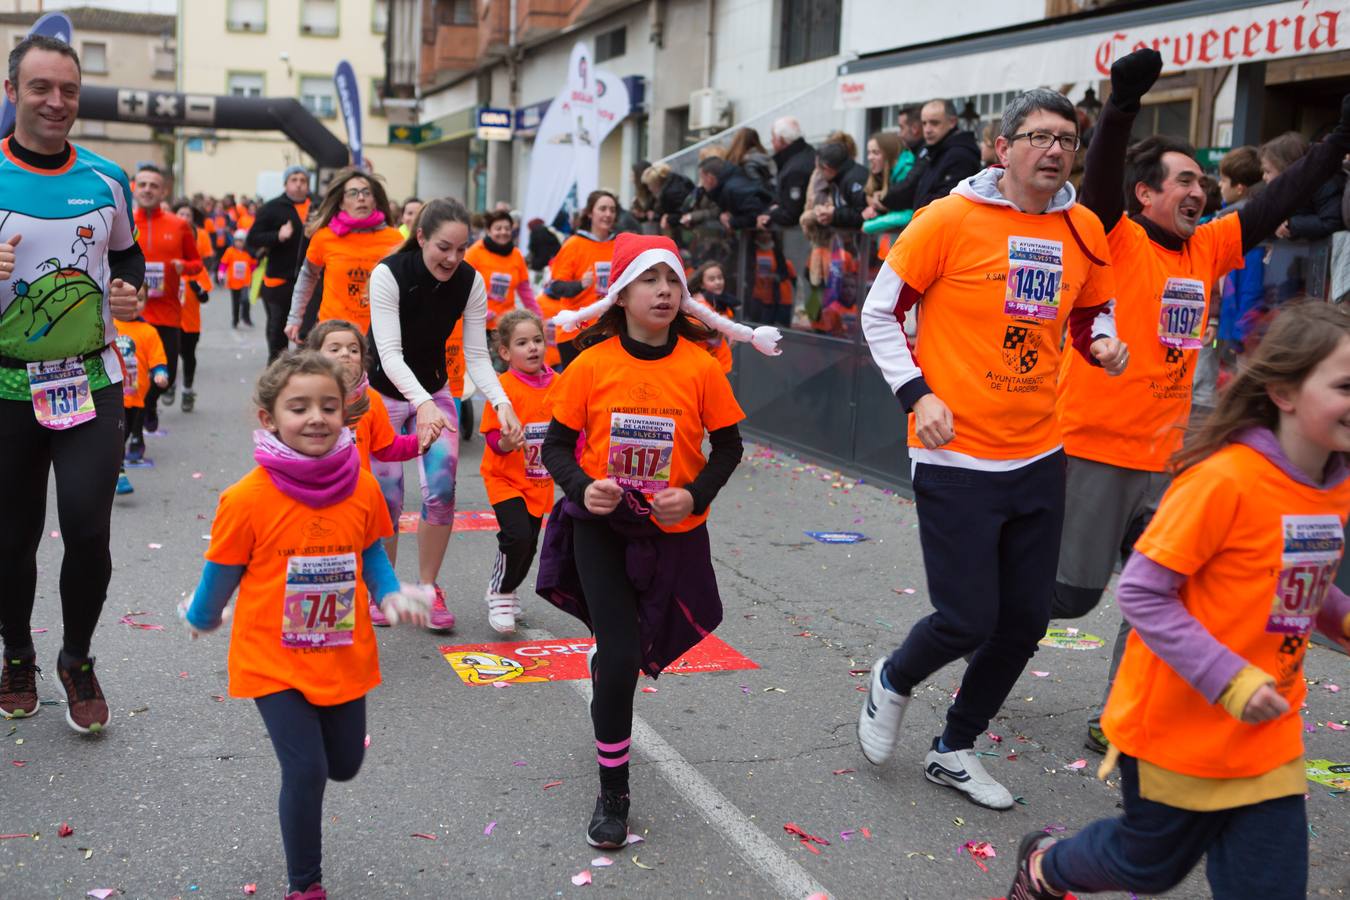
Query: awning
[{"x": 1194, "y": 34}]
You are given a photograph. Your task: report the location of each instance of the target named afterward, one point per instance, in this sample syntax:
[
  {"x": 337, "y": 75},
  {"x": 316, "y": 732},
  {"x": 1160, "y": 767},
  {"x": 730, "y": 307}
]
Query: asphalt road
[{"x": 177, "y": 799}]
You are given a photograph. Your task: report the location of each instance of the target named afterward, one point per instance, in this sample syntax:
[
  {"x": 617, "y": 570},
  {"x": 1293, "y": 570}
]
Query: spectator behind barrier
[
  {"x": 949, "y": 154},
  {"x": 669, "y": 191},
  {"x": 889, "y": 162},
  {"x": 747, "y": 152},
  {"x": 795, "y": 160},
  {"x": 1241, "y": 295},
  {"x": 740, "y": 197},
  {"x": 1322, "y": 214}
]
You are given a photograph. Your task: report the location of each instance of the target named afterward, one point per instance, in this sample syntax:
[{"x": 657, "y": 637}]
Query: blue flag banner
[
  {"x": 53, "y": 24},
  {"x": 349, "y": 99}
]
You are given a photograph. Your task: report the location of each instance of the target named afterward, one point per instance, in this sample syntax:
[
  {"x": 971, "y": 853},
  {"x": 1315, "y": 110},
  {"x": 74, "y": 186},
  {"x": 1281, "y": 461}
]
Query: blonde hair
[{"x": 275, "y": 377}]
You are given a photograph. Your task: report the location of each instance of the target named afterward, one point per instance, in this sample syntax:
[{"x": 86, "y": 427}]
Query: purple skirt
[{"x": 678, "y": 601}]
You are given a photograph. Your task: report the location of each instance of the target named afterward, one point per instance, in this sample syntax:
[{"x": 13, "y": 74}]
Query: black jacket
[
  {"x": 949, "y": 161},
  {"x": 544, "y": 245},
  {"x": 742, "y": 196},
  {"x": 283, "y": 257},
  {"x": 795, "y": 163},
  {"x": 1322, "y": 214},
  {"x": 848, "y": 192},
  {"x": 674, "y": 193}
]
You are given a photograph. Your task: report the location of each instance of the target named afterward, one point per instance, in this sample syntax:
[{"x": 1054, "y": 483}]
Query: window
[
  {"x": 1172, "y": 119},
  {"x": 611, "y": 44},
  {"x": 94, "y": 57},
  {"x": 164, "y": 61},
  {"x": 809, "y": 30},
  {"x": 456, "y": 12},
  {"x": 319, "y": 18},
  {"x": 244, "y": 84},
  {"x": 246, "y": 15},
  {"x": 379, "y": 11},
  {"x": 319, "y": 95}
]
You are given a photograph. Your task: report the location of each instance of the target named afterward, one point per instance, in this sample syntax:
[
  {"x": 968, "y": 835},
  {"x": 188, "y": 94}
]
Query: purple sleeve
[
  {"x": 1150, "y": 599},
  {"x": 494, "y": 440},
  {"x": 526, "y": 295},
  {"x": 402, "y": 448},
  {"x": 1331, "y": 618}
]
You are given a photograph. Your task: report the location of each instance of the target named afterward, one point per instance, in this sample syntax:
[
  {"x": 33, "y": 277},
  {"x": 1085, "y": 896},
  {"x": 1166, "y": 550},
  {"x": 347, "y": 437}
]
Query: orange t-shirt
[
  {"x": 192, "y": 307},
  {"x": 550, "y": 307},
  {"x": 989, "y": 348},
  {"x": 142, "y": 350},
  {"x": 454, "y": 361},
  {"x": 520, "y": 473},
  {"x": 768, "y": 289},
  {"x": 289, "y": 550},
  {"x": 578, "y": 256},
  {"x": 165, "y": 239},
  {"x": 239, "y": 267},
  {"x": 347, "y": 262},
  {"x": 645, "y": 419},
  {"x": 1260, "y": 551},
  {"x": 1137, "y": 419},
  {"x": 373, "y": 432},
  {"x": 501, "y": 276},
  {"x": 717, "y": 345},
  {"x": 204, "y": 248}
]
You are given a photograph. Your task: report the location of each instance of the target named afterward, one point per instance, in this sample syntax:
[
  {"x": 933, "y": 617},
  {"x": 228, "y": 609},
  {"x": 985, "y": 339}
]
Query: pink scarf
[
  {"x": 316, "y": 481},
  {"x": 341, "y": 224},
  {"x": 541, "y": 379}
]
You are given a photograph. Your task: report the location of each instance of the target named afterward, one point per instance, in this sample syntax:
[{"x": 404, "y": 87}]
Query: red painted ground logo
[
  {"x": 534, "y": 662},
  {"x": 465, "y": 520}
]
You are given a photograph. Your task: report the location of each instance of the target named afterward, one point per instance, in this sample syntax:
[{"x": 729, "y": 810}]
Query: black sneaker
[
  {"x": 609, "y": 824},
  {"x": 18, "y": 687},
  {"x": 1027, "y": 886},
  {"x": 86, "y": 710},
  {"x": 151, "y": 419},
  {"x": 135, "y": 450},
  {"x": 189, "y": 400}
]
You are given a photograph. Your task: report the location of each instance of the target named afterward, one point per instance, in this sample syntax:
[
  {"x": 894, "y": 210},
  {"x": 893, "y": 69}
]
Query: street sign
[{"x": 495, "y": 124}]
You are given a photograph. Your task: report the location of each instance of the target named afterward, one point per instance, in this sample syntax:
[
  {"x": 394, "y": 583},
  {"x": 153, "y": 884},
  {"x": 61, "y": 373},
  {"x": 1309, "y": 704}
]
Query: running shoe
[
  {"x": 86, "y": 710},
  {"x": 167, "y": 398},
  {"x": 1026, "y": 885},
  {"x": 18, "y": 687},
  {"x": 442, "y": 619},
  {"x": 502, "y": 612},
  {"x": 135, "y": 450},
  {"x": 313, "y": 892},
  {"x": 151, "y": 419},
  {"x": 1096, "y": 738},
  {"x": 962, "y": 770},
  {"x": 189, "y": 400},
  {"x": 609, "y": 823},
  {"x": 124, "y": 484},
  {"x": 377, "y": 618},
  {"x": 879, "y": 722}
]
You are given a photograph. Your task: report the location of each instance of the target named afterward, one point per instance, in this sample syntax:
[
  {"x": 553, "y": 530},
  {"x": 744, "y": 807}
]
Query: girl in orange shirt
[
  {"x": 579, "y": 274},
  {"x": 1224, "y": 589},
  {"x": 708, "y": 287},
  {"x": 645, "y": 393},
  {"x": 299, "y": 537},
  {"x": 193, "y": 291},
  {"x": 238, "y": 264},
  {"x": 518, "y": 486},
  {"x": 502, "y": 266}
]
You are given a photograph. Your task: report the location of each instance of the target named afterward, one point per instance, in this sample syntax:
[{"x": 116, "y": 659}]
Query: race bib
[
  {"x": 1035, "y": 271},
  {"x": 640, "y": 450},
  {"x": 602, "y": 278},
  {"x": 534, "y": 449},
  {"x": 320, "y": 606},
  {"x": 763, "y": 266},
  {"x": 239, "y": 271},
  {"x": 498, "y": 286},
  {"x": 1183, "y": 313},
  {"x": 1312, "y": 552},
  {"x": 61, "y": 395},
  {"x": 154, "y": 279},
  {"x": 127, "y": 347}
]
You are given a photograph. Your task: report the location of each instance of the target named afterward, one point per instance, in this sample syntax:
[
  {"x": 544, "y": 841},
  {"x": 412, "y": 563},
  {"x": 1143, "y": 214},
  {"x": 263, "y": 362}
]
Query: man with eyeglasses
[
  {"x": 279, "y": 230},
  {"x": 999, "y": 269},
  {"x": 1120, "y": 434}
]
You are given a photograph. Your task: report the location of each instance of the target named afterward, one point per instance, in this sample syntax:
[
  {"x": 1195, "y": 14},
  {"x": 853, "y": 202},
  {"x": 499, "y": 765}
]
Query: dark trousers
[
  {"x": 313, "y": 744},
  {"x": 612, "y": 601},
  {"x": 135, "y": 427},
  {"x": 1259, "y": 850},
  {"x": 239, "y": 311},
  {"x": 990, "y": 544},
  {"x": 172, "y": 338},
  {"x": 517, "y": 540},
  {"x": 277, "y": 302},
  {"x": 188, "y": 351},
  {"x": 86, "y": 459}
]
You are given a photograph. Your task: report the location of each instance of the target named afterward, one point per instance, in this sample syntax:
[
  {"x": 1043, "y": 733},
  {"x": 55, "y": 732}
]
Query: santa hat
[{"x": 635, "y": 254}]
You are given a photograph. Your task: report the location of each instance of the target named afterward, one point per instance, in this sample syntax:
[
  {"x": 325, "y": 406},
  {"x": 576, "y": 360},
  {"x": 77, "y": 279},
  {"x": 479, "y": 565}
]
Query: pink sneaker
[
  {"x": 442, "y": 619},
  {"x": 313, "y": 892},
  {"x": 376, "y": 617}
]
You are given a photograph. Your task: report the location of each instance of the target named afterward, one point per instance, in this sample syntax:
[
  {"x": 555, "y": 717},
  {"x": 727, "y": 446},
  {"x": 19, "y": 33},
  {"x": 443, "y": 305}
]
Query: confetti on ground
[
  {"x": 844, "y": 771},
  {"x": 979, "y": 851},
  {"x": 102, "y": 893},
  {"x": 1040, "y": 674},
  {"x": 7, "y": 837},
  {"x": 18, "y": 763},
  {"x": 367, "y": 740},
  {"x": 807, "y": 840},
  {"x": 1077, "y": 764},
  {"x": 903, "y": 590},
  {"x": 489, "y": 828},
  {"x": 582, "y": 877},
  {"x": 88, "y": 852},
  {"x": 635, "y": 839},
  {"x": 639, "y": 863},
  {"x": 64, "y": 830},
  {"x": 1335, "y": 726},
  {"x": 519, "y": 762},
  {"x": 1054, "y": 829},
  {"x": 129, "y": 619},
  {"x": 552, "y": 784},
  {"x": 155, "y": 546},
  {"x": 250, "y": 888},
  {"x": 836, "y": 537},
  {"x": 56, "y": 534},
  {"x": 423, "y": 835},
  {"x": 866, "y": 832},
  {"x": 649, "y": 690},
  {"x": 601, "y": 862},
  {"x": 196, "y": 474}
]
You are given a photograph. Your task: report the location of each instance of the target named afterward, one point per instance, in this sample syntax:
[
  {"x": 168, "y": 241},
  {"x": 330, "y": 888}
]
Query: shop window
[
  {"x": 456, "y": 12},
  {"x": 611, "y": 44},
  {"x": 244, "y": 84},
  {"x": 246, "y": 15},
  {"x": 94, "y": 57},
  {"x": 319, "y": 95},
  {"x": 808, "y": 29},
  {"x": 1172, "y": 119},
  {"x": 319, "y": 18}
]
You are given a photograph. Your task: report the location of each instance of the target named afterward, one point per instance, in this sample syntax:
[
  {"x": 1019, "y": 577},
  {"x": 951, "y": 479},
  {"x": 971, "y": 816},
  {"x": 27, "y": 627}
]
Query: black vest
[{"x": 427, "y": 312}]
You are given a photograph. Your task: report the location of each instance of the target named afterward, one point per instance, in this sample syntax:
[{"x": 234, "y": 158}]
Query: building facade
[{"x": 260, "y": 48}]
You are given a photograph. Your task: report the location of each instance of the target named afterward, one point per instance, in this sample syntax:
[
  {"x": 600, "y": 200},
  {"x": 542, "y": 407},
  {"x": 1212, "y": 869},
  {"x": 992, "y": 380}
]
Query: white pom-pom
[{"x": 765, "y": 340}]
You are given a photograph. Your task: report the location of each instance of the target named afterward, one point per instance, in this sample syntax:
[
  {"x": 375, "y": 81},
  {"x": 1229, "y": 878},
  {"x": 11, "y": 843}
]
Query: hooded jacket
[
  {"x": 949, "y": 161},
  {"x": 848, "y": 192},
  {"x": 742, "y": 196}
]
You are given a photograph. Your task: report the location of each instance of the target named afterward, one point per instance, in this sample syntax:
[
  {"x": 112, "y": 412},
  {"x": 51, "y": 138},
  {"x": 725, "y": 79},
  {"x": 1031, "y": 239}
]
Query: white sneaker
[
  {"x": 879, "y": 721},
  {"x": 502, "y": 612},
  {"x": 961, "y": 769}
]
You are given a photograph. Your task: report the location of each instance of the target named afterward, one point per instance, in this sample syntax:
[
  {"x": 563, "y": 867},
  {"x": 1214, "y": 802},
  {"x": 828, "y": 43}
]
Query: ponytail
[{"x": 432, "y": 216}]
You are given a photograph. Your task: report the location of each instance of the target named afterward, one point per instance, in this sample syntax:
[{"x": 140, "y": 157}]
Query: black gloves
[
  {"x": 1132, "y": 76},
  {"x": 1341, "y": 133}
]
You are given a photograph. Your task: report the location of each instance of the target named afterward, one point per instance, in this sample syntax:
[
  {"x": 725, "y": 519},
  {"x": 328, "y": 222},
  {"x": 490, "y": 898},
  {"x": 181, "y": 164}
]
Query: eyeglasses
[
  {"x": 1042, "y": 140},
  {"x": 358, "y": 193}
]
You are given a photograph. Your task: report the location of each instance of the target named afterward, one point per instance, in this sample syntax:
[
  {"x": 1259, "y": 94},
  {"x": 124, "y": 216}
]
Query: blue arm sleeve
[
  {"x": 213, "y": 592},
  {"x": 378, "y": 573}
]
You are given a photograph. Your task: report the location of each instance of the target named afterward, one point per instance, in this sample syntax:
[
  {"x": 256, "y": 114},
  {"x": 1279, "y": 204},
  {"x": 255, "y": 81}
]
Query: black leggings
[
  {"x": 516, "y": 544},
  {"x": 239, "y": 306},
  {"x": 189, "y": 353},
  {"x": 135, "y": 429},
  {"x": 313, "y": 744},
  {"x": 612, "y": 600},
  {"x": 171, "y": 337},
  {"x": 86, "y": 459}
]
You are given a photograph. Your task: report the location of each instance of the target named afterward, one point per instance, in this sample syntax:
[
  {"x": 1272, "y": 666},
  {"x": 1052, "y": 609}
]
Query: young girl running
[
  {"x": 645, "y": 394},
  {"x": 1223, "y": 590},
  {"x": 299, "y": 536},
  {"x": 708, "y": 286},
  {"x": 366, "y": 415},
  {"x": 581, "y": 271},
  {"x": 518, "y": 486}
]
